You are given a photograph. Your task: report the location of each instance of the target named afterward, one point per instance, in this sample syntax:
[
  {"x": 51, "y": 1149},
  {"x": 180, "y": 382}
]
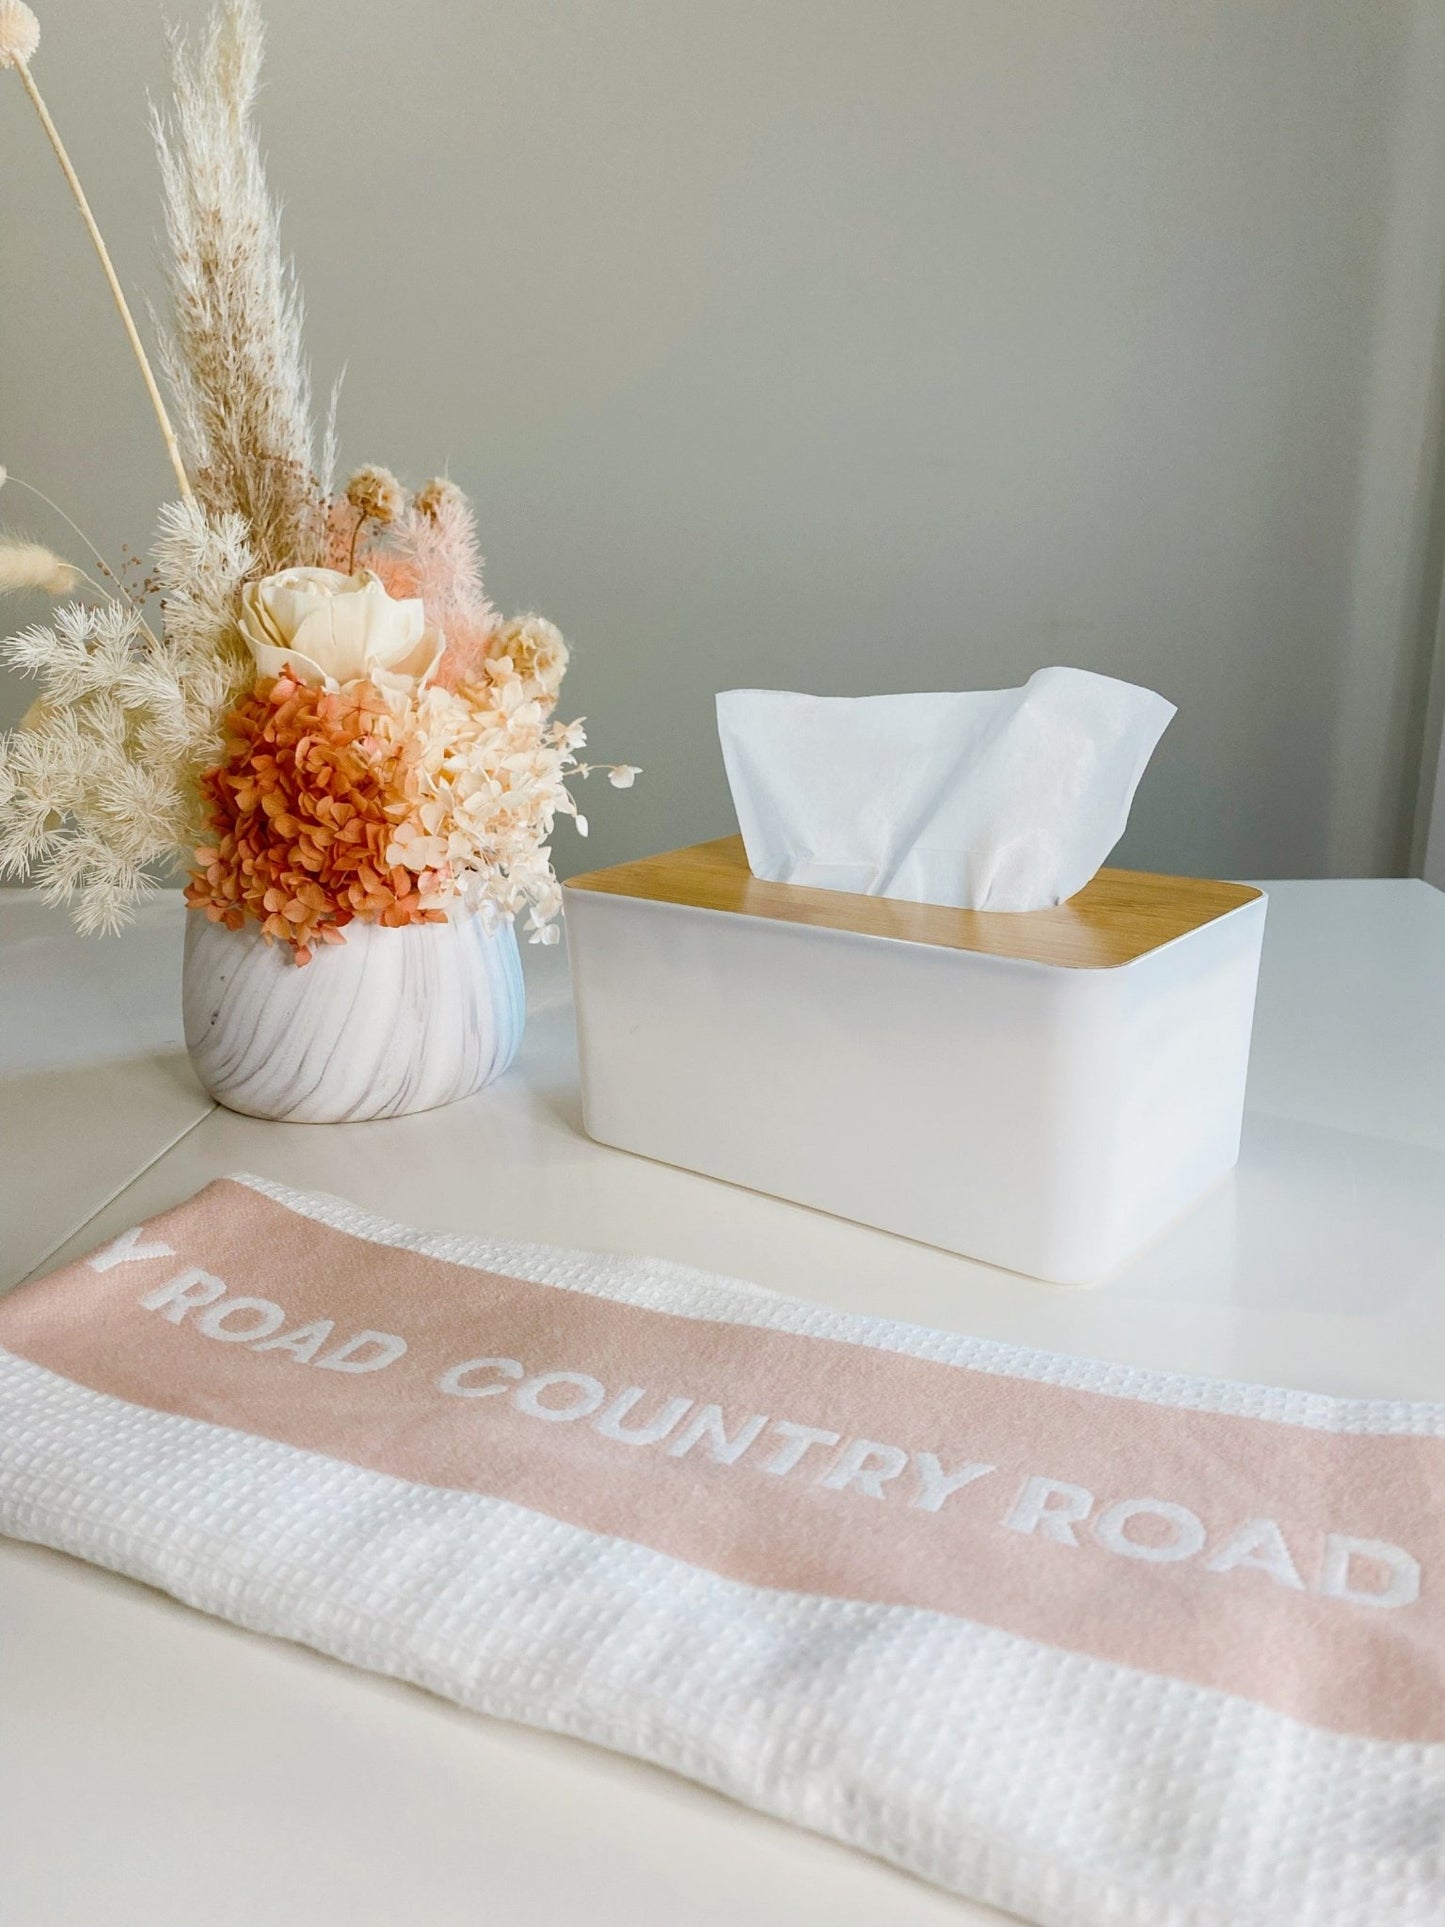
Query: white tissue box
[{"x": 1044, "y": 1091}]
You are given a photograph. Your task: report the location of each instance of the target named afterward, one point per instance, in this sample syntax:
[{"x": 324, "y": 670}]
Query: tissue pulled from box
[{"x": 993, "y": 799}]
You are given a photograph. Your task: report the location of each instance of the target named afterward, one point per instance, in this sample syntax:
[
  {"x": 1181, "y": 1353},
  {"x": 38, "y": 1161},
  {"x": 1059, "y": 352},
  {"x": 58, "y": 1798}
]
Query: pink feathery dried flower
[
  {"x": 442, "y": 544},
  {"x": 432, "y": 552}
]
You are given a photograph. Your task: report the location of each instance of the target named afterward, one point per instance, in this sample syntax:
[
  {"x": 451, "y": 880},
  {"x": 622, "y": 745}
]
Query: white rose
[{"x": 333, "y": 629}]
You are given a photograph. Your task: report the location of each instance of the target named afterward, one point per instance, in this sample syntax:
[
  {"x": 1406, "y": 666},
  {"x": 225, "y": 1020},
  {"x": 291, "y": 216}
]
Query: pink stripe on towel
[{"x": 1291, "y": 1565}]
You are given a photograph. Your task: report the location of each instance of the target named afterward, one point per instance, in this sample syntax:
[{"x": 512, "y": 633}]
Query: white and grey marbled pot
[{"x": 388, "y": 1022}]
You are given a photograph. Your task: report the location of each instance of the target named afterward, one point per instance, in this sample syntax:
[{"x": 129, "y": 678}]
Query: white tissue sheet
[{"x": 991, "y": 799}]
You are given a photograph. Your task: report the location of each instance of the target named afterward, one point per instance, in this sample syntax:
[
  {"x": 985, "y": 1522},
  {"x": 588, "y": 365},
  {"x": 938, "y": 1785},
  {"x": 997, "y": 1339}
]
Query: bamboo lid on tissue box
[{"x": 1118, "y": 916}]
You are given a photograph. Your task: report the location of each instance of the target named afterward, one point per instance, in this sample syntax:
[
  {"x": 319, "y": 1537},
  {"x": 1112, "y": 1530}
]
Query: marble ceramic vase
[{"x": 388, "y": 1022}]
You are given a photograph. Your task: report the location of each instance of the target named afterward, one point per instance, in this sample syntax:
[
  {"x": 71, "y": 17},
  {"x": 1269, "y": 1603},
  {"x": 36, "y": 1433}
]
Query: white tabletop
[{"x": 157, "y": 1767}]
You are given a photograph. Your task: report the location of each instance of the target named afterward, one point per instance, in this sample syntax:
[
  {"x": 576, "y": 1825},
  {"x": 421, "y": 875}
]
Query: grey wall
[{"x": 850, "y": 345}]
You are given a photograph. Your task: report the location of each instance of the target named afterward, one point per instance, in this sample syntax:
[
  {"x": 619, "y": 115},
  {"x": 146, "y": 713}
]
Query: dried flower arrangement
[{"x": 328, "y": 720}]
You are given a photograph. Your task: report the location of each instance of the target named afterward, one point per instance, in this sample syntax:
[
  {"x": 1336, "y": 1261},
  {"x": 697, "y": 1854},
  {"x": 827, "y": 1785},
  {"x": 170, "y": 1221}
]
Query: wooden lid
[{"x": 1118, "y": 916}]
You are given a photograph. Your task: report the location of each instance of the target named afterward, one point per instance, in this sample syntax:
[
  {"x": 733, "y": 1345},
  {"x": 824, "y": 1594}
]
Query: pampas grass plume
[{"x": 234, "y": 352}]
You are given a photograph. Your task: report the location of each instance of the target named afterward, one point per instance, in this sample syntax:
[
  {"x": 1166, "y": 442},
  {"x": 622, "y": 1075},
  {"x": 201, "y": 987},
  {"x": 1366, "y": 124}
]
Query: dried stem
[
  {"x": 168, "y": 434},
  {"x": 19, "y": 481},
  {"x": 117, "y": 586}
]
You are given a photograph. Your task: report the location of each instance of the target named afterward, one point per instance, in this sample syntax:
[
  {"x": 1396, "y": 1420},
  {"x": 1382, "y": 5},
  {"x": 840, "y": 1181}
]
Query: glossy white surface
[
  {"x": 87, "y": 1032},
  {"x": 162, "y": 1769},
  {"x": 387, "y": 1023},
  {"x": 1047, "y": 1119}
]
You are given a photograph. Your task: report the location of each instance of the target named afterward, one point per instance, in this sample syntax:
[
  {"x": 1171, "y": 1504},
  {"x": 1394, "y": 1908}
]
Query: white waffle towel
[{"x": 1102, "y": 1647}]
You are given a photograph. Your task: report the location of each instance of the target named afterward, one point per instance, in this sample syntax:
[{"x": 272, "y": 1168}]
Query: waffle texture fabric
[{"x": 1101, "y": 1647}]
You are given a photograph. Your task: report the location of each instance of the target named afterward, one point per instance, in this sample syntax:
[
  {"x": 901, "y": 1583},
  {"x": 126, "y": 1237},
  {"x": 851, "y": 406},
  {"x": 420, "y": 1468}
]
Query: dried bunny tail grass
[
  {"x": 19, "y": 34},
  {"x": 26, "y": 565},
  {"x": 234, "y": 355}
]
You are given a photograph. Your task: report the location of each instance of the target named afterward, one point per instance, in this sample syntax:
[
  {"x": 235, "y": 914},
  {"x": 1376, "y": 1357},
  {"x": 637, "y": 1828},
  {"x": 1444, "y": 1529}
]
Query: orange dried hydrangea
[{"x": 303, "y": 807}]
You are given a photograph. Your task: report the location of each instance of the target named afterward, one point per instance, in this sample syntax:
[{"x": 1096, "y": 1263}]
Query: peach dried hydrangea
[{"x": 304, "y": 808}]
